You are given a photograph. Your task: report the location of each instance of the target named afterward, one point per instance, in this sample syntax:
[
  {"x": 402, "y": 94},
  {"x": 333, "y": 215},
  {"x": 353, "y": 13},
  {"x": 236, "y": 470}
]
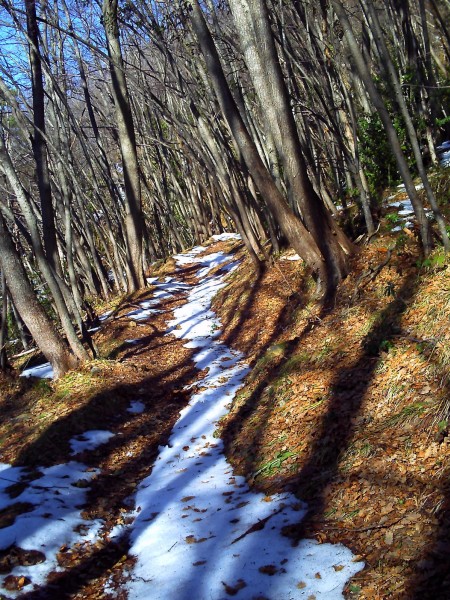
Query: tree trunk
[
  {"x": 3, "y": 323},
  {"x": 378, "y": 102},
  {"x": 412, "y": 134},
  {"x": 47, "y": 338},
  {"x": 127, "y": 140},
  {"x": 256, "y": 39},
  {"x": 294, "y": 230},
  {"x": 46, "y": 270},
  {"x": 38, "y": 140}
]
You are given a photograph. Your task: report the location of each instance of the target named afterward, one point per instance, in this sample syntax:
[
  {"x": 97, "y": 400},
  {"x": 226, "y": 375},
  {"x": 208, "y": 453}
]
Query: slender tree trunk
[
  {"x": 385, "y": 57},
  {"x": 256, "y": 40},
  {"x": 294, "y": 230},
  {"x": 3, "y": 323},
  {"x": 378, "y": 102},
  {"x": 47, "y": 338},
  {"x": 24, "y": 334},
  {"x": 127, "y": 139},
  {"x": 38, "y": 140},
  {"x": 46, "y": 270}
]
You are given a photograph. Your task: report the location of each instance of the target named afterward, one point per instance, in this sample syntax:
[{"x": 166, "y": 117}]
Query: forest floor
[{"x": 347, "y": 408}]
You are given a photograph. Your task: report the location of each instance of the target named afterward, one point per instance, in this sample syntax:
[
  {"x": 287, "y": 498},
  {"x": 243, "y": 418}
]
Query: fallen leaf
[
  {"x": 268, "y": 569},
  {"x": 389, "y": 538},
  {"x": 15, "y": 582},
  {"x": 232, "y": 590}
]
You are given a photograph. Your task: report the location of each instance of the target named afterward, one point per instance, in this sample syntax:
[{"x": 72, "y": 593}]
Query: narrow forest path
[{"x": 193, "y": 529}]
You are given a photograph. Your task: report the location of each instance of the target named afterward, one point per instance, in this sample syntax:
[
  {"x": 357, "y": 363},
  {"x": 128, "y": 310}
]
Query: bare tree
[
  {"x": 42, "y": 329},
  {"x": 127, "y": 140}
]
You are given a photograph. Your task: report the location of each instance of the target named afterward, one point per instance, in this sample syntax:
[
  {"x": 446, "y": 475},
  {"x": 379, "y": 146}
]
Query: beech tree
[
  {"x": 41, "y": 327},
  {"x": 252, "y": 24},
  {"x": 127, "y": 140},
  {"x": 135, "y": 130}
]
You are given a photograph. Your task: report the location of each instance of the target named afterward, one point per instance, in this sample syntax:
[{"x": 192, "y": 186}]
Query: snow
[
  {"x": 197, "y": 527},
  {"x": 291, "y": 257},
  {"x": 401, "y": 187},
  {"x": 54, "y": 519},
  {"x": 44, "y": 371},
  {"x": 444, "y": 153},
  {"x": 444, "y": 146},
  {"x": 136, "y": 407},
  {"x": 89, "y": 440},
  {"x": 152, "y": 280},
  {"x": 406, "y": 213},
  {"x": 223, "y": 237},
  {"x": 105, "y": 315},
  {"x": 191, "y": 535},
  {"x": 141, "y": 314},
  {"x": 166, "y": 289},
  {"x": 444, "y": 159}
]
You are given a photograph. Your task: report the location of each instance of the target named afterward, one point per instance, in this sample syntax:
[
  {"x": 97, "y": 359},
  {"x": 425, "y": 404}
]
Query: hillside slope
[{"x": 346, "y": 408}]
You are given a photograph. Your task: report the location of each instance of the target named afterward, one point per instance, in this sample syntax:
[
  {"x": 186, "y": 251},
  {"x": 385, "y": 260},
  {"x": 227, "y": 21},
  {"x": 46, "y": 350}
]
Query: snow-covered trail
[{"x": 199, "y": 531}]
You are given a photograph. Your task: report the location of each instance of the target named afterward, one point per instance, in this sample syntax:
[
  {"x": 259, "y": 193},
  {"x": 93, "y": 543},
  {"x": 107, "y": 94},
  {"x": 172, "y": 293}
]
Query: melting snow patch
[
  {"x": 105, "y": 315},
  {"x": 89, "y": 440},
  {"x": 199, "y": 531},
  {"x": 44, "y": 371},
  {"x": 141, "y": 314},
  {"x": 53, "y": 520},
  {"x": 444, "y": 159},
  {"x": 188, "y": 257},
  {"x": 405, "y": 205},
  {"x": 136, "y": 407},
  {"x": 291, "y": 257},
  {"x": 223, "y": 237},
  {"x": 444, "y": 146}
]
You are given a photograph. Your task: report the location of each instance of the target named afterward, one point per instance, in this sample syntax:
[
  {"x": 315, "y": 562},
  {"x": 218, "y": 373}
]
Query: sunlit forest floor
[{"x": 347, "y": 407}]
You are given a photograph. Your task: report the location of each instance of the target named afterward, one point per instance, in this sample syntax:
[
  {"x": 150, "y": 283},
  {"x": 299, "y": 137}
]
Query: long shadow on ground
[
  {"x": 164, "y": 395},
  {"x": 334, "y": 433}
]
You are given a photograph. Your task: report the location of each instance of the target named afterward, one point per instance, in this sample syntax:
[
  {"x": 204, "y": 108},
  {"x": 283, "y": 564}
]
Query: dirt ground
[{"x": 346, "y": 407}]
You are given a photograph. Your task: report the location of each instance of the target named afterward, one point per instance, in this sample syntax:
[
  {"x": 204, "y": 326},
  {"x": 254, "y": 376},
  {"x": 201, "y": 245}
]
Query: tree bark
[
  {"x": 3, "y": 323},
  {"x": 44, "y": 265},
  {"x": 380, "y": 106},
  {"x": 47, "y": 338},
  {"x": 38, "y": 140},
  {"x": 412, "y": 134},
  {"x": 256, "y": 40},
  {"x": 294, "y": 230},
  {"x": 127, "y": 140}
]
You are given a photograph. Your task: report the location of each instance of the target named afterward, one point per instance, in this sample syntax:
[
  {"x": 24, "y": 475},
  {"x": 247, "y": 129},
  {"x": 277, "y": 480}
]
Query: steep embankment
[{"x": 349, "y": 409}]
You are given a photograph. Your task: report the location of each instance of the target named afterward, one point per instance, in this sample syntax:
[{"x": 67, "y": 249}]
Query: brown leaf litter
[{"x": 346, "y": 408}]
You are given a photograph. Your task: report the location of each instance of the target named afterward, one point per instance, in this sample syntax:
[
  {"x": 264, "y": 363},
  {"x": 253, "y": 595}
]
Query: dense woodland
[{"x": 133, "y": 130}]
